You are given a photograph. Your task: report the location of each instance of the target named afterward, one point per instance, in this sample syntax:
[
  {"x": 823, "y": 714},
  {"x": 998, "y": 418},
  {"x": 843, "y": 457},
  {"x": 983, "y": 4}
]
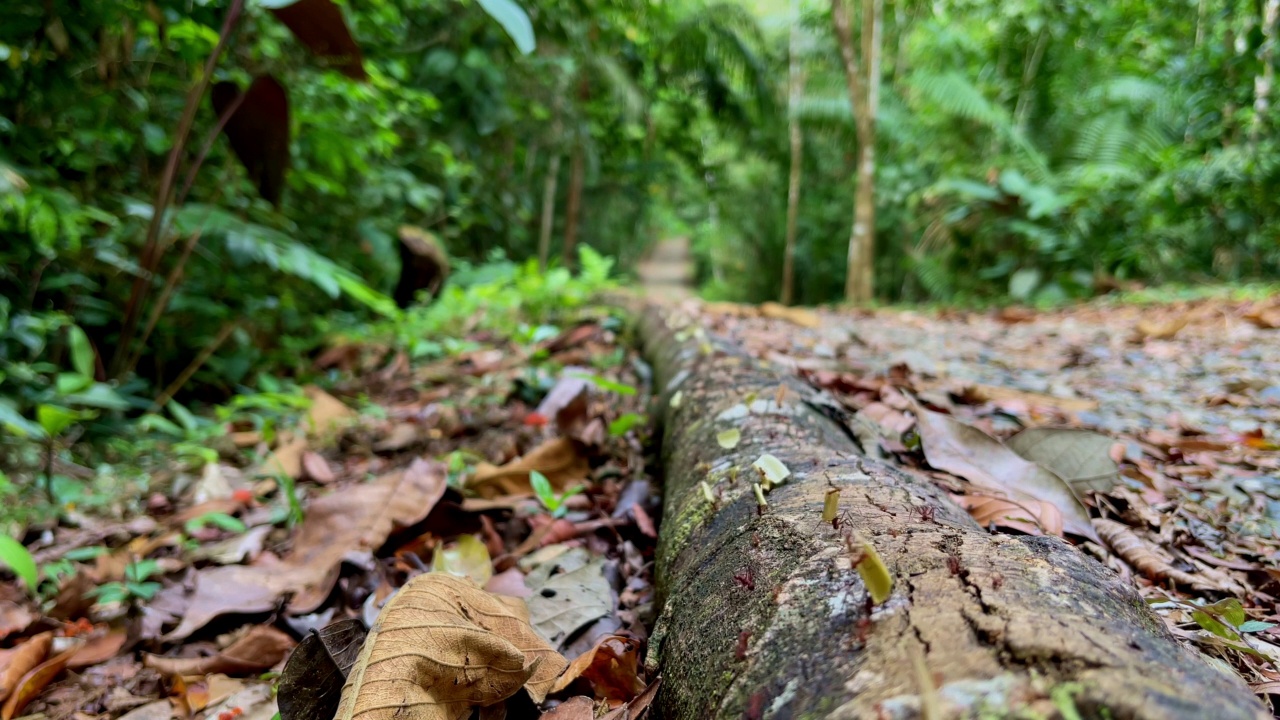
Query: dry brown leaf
[
  {"x": 326, "y": 413},
  {"x": 442, "y": 646},
  {"x": 99, "y": 648},
  {"x": 356, "y": 518},
  {"x": 1133, "y": 550},
  {"x": 316, "y": 468},
  {"x": 562, "y": 460},
  {"x": 567, "y": 401},
  {"x": 35, "y": 681},
  {"x": 14, "y": 618},
  {"x": 998, "y": 394},
  {"x": 22, "y": 660},
  {"x": 286, "y": 459},
  {"x": 1029, "y": 516},
  {"x": 1264, "y": 315},
  {"x": 612, "y": 668},
  {"x": 637, "y": 707},
  {"x": 966, "y": 451},
  {"x": 260, "y": 648},
  {"x": 578, "y": 707},
  {"x": 1160, "y": 328},
  {"x": 804, "y": 317}
]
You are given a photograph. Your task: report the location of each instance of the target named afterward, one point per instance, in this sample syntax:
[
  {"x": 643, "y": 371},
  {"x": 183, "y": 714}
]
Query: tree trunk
[
  {"x": 548, "y": 210},
  {"x": 573, "y": 209},
  {"x": 1264, "y": 81},
  {"x": 864, "y": 95},
  {"x": 795, "y": 81},
  {"x": 765, "y": 616}
]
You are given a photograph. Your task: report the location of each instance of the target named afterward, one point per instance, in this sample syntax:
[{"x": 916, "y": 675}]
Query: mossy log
[{"x": 765, "y": 616}]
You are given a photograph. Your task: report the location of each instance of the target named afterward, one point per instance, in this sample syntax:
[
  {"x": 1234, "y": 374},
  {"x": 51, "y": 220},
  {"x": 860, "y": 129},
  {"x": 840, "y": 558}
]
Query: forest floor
[{"x": 528, "y": 466}]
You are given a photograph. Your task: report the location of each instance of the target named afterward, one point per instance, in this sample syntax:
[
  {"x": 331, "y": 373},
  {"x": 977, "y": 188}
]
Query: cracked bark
[{"x": 765, "y": 617}]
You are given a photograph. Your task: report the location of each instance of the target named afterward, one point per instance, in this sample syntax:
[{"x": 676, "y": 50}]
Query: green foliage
[
  {"x": 19, "y": 560},
  {"x": 135, "y": 587},
  {"x": 552, "y": 501}
]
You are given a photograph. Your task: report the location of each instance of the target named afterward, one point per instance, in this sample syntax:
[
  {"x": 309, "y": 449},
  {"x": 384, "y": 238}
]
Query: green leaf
[
  {"x": 1213, "y": 625},
  {"x": 1229, "y": 610},
  {"x": 19, "y": 560},
  {"x": 99, "y": 395},
  {"x": 70, "y": 383},
  {"x": 1253, "y": 626},
  {"x": 514, "y": 20},
  {"x": 143, "y": 590},
  {"x": 622, "y": 425},
  {"x": 542, "y": 488},
  {"x": 112, "y": 592},
  {"x": 81, "y": 351},
  {"x": 55, "y": 418},
  {"x": 1023, "y": 283},
  {"x": 219, "y": 520},
  {"x": 12, "y": 421},
  {"x": 606, "y": 384},
  {"x": 85, "y": 553},
  {"x": 141, "y": 570}
]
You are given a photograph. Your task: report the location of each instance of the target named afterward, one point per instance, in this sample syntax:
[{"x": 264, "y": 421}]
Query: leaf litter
[
  {"x": 1147, "y": 433},
  {"x": 278, "y": 556}
]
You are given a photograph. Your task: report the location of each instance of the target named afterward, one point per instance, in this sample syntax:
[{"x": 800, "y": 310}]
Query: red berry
[
  {"x": 242, "y": 496},
  {"x": 535, "y": 419}
]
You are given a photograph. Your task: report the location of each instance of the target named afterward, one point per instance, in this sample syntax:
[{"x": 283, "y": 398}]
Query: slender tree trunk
[
  {"x": 796, "y": 80},
  {"x": 548, "y": 210},
  {"x": 1263, "y": 83},
  {"x": 865, "y": 98},
  {"x": 1029, "y": 71},
  {"x": 573, "y": 209}
]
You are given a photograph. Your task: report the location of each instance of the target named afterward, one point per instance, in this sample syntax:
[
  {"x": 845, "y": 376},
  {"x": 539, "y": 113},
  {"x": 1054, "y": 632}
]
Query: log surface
[{"x": 764, "y": 615}]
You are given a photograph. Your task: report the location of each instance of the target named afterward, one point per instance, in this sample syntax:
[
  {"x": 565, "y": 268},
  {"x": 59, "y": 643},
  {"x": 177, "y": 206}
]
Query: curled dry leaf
[
  {"x": 561, "y": 460},
  {"x": 635, "y": 709},
  {"x": 316, "y": 468},
  {"x": 803, "y": 317},
  {"x": 356, "y": 518},
  {"x": 1133, "y": 550},
  {"x": 1032, "y": 517},
  {"x": 22, "y": 660},
  {"x": 966, "y": 451},
  {"x": 36, "y": 680},
  {"x": 311, "y": 684},
  {"x": 442, "y": 646},
  {"x": 326, "y": 414},
  {"x": 260, "y": 648},
  {"x": 611, "y": 668},
  {"x": 99, "y": 648}
]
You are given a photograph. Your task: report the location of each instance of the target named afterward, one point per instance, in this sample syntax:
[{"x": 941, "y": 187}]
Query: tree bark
[
  {"x": 548, "y": 210},
  {"x": 1264, "y": 81},
  {"x": 795, "y": 82},
  {"x": 765, "y": 616},
  {"x": 864, "y": 95},
  {"x": 573, "y": 208}
]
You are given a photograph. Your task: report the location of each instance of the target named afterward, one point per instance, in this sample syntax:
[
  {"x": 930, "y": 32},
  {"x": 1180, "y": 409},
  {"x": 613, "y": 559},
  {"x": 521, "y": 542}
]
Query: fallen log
[{"x": 765, "y": 615}]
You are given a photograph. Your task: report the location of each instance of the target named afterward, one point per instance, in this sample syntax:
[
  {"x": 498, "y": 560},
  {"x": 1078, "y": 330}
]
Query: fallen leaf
[
  {"x": 561, "y": 460},
  {"x": 355, "y": 518},
  {"x": 158, "y": 710},
  {"x": 999, "y": 394},
  {"x": 260, "y": 648},
  {"x": 562, "y": 603},
  {"x": 729, "y": 439},
  {"x": 467, "y": 557},
  {"x": 612, "y": 668},
  {"x": 1080, "y": 457},
  {"x": 401, "y": 436},
  {"x": 567, "y": 401},
  {"x": 578, "y": 707},
  {"x": 1032, "y": 517},
  {"x": 1133, "y": 550},
  {"x": 316, "y": 468},
  {"x": 286, "y": 459},
  {"x": 311, "y": 684},
  {"x": 14, "y": 618},
  {"x": 635, "y": 709},
  {"x": 326, "y": 414},
  {"x": 236, "y": 549},
  {"x": 803, "y": 317},
  {"x": 23, "y": 660},
  {"x": 442, "y": 646},
  {"x": 508, "y": 582},
  {"x": 35, "y": 681},
  {"x": 1160, "y": 328},
  {"x": 99, "y": 648},
  {"x": 1265, "y": 316},
  {"x": 966, "y": 451}
]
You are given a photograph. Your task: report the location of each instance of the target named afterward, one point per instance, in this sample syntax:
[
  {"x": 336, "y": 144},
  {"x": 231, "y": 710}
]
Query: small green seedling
[
  {"x": 219, "y": 520},
  {"x": 136, "y": 585},
  {"x": 554, "y": 503}
]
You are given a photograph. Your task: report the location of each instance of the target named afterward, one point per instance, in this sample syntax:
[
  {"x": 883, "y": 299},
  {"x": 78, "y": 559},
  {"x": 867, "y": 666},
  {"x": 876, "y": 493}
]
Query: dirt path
[{"x": 668, "y": 272}]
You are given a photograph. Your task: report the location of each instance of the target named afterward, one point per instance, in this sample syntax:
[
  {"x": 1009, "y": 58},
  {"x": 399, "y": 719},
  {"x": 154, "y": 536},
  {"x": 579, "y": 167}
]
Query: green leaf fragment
[
  {"x": 772, "y": 471},
  {"x": 729, "y": 439},
  {"x": 18, "y": 559}
]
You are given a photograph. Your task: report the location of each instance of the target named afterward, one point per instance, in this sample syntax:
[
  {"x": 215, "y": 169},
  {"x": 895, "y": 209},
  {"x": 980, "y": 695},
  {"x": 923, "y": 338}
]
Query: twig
[{"x": 194, "y": 365}]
